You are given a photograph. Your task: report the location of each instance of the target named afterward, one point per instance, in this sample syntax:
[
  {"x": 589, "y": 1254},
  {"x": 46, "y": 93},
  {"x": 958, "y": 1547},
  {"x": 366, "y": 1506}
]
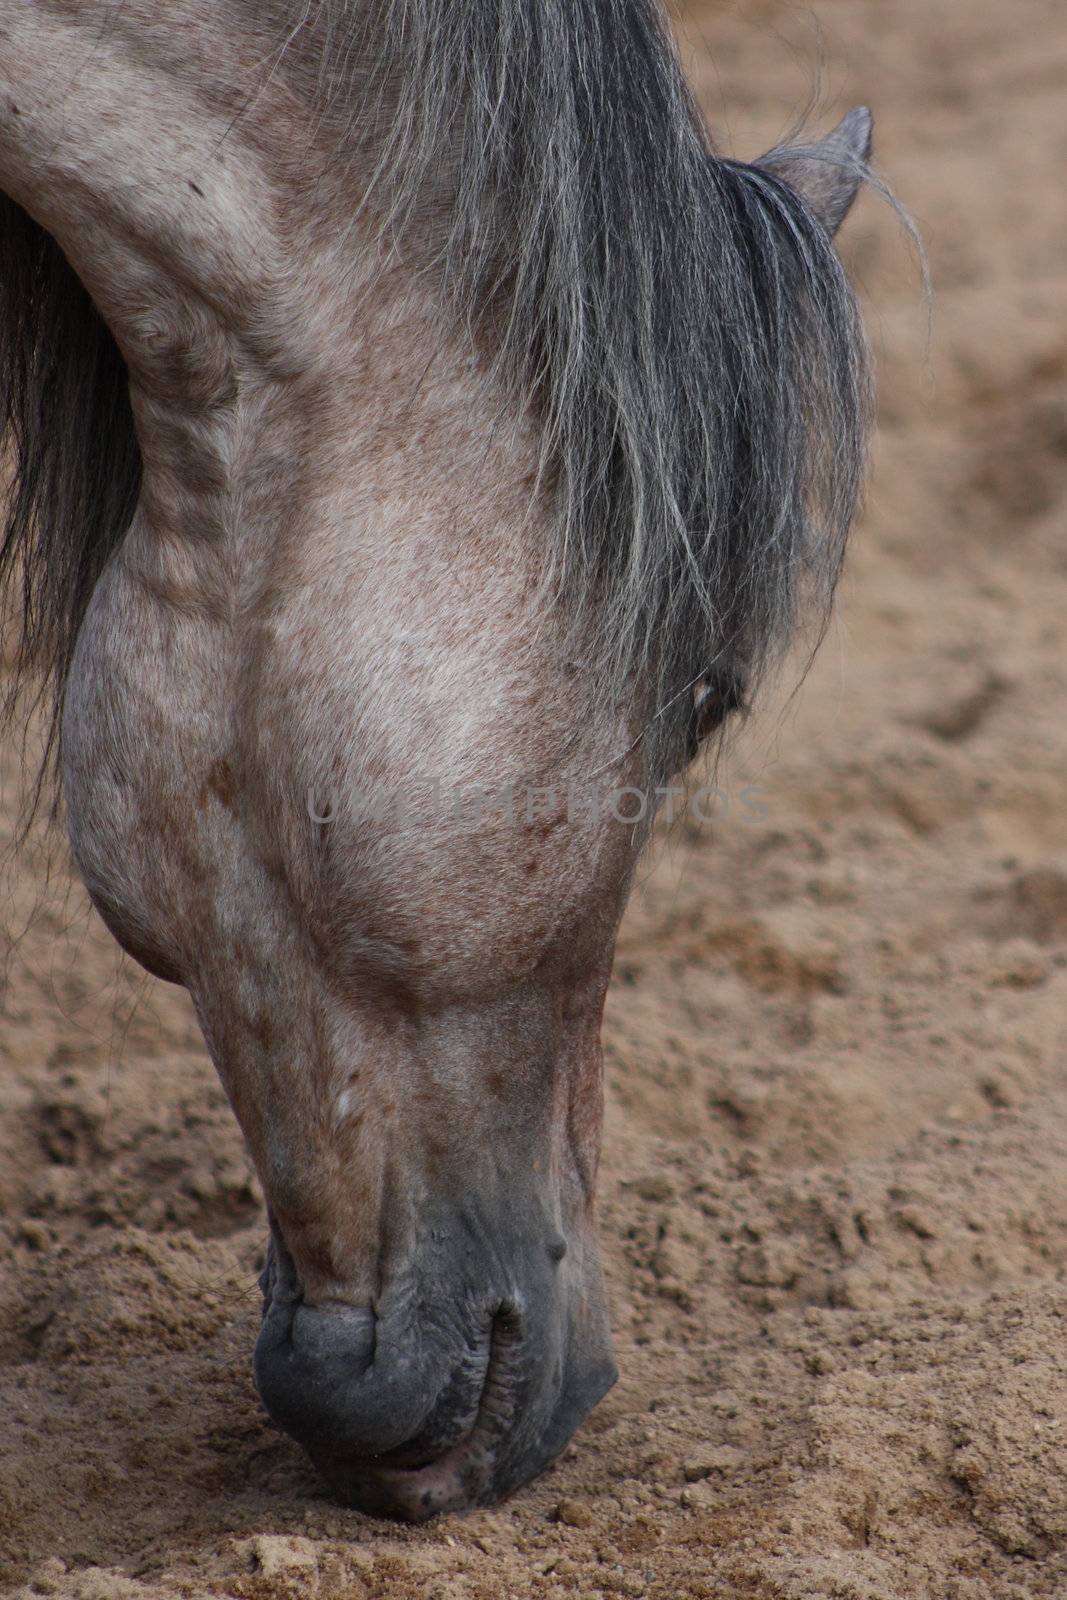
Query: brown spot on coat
[
  {"x": 221, "y": 783},
  {"x": 262, "y": 1031}
]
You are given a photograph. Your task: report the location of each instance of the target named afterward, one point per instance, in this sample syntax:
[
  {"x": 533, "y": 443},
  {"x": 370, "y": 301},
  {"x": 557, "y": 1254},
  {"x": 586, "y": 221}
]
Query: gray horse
[{"x": 405, "y": 401}]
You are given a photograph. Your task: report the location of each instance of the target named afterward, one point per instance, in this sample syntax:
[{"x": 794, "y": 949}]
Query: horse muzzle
[{"x": 449, "y": 1392}]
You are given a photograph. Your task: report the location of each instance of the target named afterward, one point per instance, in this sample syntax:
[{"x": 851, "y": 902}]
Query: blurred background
[{"x": 834, "y": 1189}]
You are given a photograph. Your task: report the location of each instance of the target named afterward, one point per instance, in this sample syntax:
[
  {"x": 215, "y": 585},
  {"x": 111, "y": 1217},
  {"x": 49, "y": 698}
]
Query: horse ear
[{"x": 827, "y": 175}]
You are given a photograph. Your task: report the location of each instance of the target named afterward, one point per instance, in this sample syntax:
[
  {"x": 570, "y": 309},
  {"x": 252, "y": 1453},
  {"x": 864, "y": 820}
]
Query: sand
[{"x": 834, "y": 1189}]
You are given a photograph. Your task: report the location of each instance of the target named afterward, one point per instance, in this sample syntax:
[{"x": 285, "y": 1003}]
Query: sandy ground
[{"x": 834, "y": 1204}]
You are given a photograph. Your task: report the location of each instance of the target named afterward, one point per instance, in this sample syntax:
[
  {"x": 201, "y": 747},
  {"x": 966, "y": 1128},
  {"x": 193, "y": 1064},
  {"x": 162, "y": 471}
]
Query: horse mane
[
  {"x": 680, "y": 323},
  {"x": 74, "y": 463}
]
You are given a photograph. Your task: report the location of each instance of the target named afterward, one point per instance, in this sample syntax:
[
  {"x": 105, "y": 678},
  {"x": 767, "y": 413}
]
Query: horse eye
[{"x": 715, "y": 696}]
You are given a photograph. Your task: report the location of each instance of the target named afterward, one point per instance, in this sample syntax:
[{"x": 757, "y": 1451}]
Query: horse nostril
[{"x": 557, "y": 1248}]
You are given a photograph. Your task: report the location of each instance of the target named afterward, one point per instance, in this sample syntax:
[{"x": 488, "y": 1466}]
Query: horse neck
[{"x": 272, "y": 347}]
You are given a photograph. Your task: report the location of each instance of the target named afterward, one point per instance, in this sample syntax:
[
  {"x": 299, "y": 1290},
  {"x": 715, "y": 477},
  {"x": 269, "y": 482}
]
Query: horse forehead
[
  {"x": 396, "y": 632},
  {"x": 438, "y": 745}
]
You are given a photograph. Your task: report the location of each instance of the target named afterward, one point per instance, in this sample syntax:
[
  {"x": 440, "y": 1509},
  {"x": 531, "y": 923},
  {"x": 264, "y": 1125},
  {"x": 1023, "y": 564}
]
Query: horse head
[{"x": 411, "y": 492}]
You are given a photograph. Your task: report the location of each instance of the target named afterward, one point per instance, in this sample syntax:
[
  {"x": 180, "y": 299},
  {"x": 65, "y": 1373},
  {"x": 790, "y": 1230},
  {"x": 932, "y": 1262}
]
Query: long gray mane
[
  {"x": 679, "y": 323},
  {"x": 682, "y": 322}
]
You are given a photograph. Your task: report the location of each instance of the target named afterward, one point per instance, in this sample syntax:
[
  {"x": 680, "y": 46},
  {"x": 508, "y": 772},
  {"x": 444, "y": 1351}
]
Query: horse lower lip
[
  {"x": 457, "y": 1479},
  {"x": 401, "y": 1462},
  {"x": 413, "y": 1472}
]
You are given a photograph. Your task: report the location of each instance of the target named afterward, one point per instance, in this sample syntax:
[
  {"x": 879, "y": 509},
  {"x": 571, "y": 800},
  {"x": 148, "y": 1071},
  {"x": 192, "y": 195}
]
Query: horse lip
[
  {"x": 521, "y": 1413},
  {"x": 461, "y": 1476}
]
